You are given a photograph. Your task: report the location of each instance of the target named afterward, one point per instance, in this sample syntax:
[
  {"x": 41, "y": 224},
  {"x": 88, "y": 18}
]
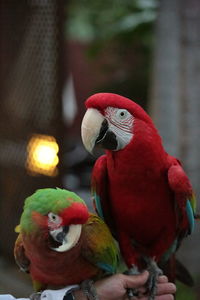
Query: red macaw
[{"x": 140, "y": 190}]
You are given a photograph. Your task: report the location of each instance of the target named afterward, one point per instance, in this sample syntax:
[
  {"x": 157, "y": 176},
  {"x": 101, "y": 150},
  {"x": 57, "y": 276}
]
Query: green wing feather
[
  {"x": 193, "y": 202},
  {"x": 100, "y": 247}
]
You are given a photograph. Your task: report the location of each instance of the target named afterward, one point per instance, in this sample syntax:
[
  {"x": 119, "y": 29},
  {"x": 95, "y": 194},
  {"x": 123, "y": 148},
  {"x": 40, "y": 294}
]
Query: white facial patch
[
  {"x": 54, "y": 221},
  {"x": 121, "y": 123},
  {"x": 123, "y": 137}
]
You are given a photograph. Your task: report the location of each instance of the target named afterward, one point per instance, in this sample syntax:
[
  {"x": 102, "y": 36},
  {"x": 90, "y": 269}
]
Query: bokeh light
[{"x": 42, "y": 155}]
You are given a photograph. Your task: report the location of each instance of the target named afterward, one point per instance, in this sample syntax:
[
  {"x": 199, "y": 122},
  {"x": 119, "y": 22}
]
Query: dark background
[{"x": 53, "y": 55}]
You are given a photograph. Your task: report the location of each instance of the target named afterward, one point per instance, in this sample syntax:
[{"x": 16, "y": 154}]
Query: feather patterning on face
[
  {"x": 142, "y": 192},
  {"x": 55, "y": 240}
]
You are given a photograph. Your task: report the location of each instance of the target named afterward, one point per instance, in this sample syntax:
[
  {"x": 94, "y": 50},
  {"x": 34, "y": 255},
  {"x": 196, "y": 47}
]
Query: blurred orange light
[{"x": 42, "y": 155}]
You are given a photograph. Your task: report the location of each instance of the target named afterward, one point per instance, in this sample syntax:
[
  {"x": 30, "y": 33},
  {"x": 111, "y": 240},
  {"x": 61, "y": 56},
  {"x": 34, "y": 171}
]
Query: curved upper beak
[
  {"x": 95, "y": 131},
  {"x": 90, "y": 128}
]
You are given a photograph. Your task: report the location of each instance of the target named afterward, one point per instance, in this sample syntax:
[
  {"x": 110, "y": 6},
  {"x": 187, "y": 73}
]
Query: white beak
[{"x": 90, "y": 128}]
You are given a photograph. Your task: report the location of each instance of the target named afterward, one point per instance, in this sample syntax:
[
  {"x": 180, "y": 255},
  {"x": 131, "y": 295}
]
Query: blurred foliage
[
  {"x": 90, "y": 20},
  {"x": 121, "y": 33},
  {"x": 184, "y": 292}
]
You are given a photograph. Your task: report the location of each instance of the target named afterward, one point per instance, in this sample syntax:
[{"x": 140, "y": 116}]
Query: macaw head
[
  {"x": 57, "y": 214},
  {"x": 111, "y": 122}
]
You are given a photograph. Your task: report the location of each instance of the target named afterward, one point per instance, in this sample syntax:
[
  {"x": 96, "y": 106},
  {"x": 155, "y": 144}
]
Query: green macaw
[{"x": 60, "y": 242}]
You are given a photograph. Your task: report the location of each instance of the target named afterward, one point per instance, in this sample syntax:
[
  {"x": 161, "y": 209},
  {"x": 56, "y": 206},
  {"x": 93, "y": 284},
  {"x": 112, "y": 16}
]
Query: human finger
[
  {"x": 166, "y": 288},
  {"x": 162, "y": 279},
  {"x": 162, "y": 297},
  {"x": 165, "y": 297},
  {"x": 136, "y": 281}
]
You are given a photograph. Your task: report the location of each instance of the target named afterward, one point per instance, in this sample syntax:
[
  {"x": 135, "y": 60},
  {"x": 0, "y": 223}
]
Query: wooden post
[{"x": 175, "y": 96}]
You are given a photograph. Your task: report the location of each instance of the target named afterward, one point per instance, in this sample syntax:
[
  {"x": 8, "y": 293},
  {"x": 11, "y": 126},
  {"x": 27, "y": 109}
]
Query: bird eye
[
  {"x": 53, "y": 218},
  {"x": 122, "y": 114}
]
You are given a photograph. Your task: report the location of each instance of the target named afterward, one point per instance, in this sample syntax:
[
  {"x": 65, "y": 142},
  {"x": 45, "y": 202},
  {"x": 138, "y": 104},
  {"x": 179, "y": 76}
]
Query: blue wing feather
[
  {"x": 98, "y": 206},
  {"x": 107, "y": 268},
  {"x": 100, "y": 192},
  {"x": 190, "y": 215}
]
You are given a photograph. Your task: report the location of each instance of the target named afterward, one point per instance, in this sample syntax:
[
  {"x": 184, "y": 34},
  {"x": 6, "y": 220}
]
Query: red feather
[{"x": 76, "y": 213}]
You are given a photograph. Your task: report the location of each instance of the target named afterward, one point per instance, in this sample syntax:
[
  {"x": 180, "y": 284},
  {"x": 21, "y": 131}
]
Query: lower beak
[
  {"x": 60, "y": 237},
  {"x": 66, "y": 237},
  {"x": 106, "y": 138}
]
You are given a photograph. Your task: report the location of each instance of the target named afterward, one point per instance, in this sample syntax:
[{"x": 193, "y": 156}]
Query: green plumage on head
[{"x": 43, "y": 201}]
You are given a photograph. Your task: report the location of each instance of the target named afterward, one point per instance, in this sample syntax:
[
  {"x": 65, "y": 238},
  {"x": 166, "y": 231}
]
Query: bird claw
[
  {"x": 154, "y": 273},
  {"x": 132, "y": 271},
  {"x": 131, "y": 292},
  {"x": 35, "y": 296}
]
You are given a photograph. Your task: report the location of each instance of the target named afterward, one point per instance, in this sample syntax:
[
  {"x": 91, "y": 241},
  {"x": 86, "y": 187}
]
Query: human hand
[{"x": 115, "y": 287}]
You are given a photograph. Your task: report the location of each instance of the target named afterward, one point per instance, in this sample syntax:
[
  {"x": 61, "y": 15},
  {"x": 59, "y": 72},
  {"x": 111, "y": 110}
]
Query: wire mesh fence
[{"x": 30, "y": 105}]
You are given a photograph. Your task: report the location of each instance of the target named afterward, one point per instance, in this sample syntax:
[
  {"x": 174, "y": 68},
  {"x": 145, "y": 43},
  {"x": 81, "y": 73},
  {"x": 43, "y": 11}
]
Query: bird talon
[
  {"x": 35, "y": 296},
  {"x": 154, "y": 273},
  {"x": 132, "y": 293},
  {"x": 132, "y": 271}
]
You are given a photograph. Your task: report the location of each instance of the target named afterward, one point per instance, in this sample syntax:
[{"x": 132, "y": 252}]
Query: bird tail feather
[{"x": 175, "y": 270}]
